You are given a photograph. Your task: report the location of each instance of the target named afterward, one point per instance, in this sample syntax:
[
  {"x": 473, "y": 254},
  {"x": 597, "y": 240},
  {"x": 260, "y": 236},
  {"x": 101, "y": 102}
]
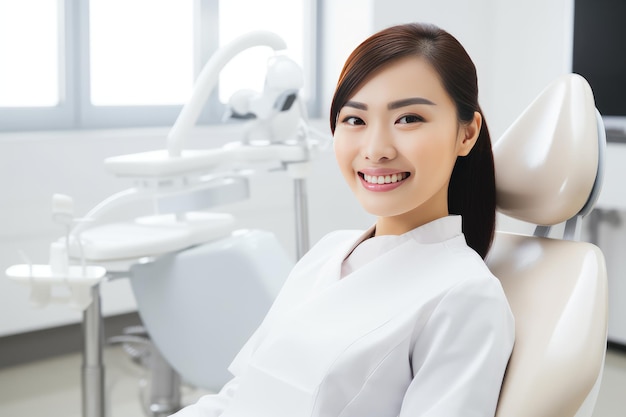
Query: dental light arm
[{"x": 208, "y": 79}]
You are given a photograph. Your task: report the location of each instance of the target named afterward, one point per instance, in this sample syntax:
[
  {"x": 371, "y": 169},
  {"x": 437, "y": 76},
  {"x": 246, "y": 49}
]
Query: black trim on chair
[{"x": 619, "y": 347}]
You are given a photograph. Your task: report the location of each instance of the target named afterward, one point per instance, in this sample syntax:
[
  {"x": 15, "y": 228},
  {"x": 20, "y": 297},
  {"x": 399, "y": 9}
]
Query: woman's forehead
[{"x": 407, "y": 79}]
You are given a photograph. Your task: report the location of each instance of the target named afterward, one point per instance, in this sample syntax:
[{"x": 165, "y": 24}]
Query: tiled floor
[{"x": 51, "y": 388}]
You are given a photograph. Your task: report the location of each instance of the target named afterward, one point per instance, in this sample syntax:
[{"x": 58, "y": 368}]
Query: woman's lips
[{"x": 383, "y": 182}]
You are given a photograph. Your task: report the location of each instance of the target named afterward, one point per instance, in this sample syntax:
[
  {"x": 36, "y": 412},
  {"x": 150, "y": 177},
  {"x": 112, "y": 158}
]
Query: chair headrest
[{"x": 547, "y": 161}]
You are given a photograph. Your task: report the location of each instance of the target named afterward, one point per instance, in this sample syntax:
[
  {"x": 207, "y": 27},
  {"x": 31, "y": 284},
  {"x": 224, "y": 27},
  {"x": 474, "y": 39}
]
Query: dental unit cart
[{"x": 182, "y": 184}]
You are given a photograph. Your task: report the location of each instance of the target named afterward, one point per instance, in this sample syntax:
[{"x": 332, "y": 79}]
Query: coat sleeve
[{"x": 460, "y": 355}]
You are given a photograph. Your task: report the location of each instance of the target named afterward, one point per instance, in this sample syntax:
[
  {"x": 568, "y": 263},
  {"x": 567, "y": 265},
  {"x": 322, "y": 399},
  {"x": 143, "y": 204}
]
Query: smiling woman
[
  {"x": 403, "y": 319},
  {"x": 440, "y": 68},
  {"x": 402, "y": 124}
]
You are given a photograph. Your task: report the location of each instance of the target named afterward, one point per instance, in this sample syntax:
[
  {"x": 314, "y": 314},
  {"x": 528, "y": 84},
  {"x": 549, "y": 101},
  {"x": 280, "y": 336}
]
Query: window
[
  {"x": 235, "y": 75},
  {"x": 128, "y": 65},
  {"x": 29, "y": 76},
  {"x": 77, "y": 64}
]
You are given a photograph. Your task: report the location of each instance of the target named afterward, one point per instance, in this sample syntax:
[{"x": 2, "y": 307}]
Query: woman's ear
[{"x": 469, "y": 134}]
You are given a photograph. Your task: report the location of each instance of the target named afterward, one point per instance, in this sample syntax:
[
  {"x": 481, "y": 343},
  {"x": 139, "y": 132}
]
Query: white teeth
[{"x": 384, "y": 179}]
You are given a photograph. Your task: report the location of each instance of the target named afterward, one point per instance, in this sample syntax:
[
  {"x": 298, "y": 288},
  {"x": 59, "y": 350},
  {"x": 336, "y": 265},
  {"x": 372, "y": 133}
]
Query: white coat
[{"x": 422, "y": 330}]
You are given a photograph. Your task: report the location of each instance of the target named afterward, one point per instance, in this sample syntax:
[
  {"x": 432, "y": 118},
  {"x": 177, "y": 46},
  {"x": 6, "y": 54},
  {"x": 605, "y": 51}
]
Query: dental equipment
[{"x": 182, "y": 184}]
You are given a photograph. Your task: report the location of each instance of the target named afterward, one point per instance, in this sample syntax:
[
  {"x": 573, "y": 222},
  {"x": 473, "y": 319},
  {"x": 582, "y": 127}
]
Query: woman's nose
[{"x": 378, "y": 146}]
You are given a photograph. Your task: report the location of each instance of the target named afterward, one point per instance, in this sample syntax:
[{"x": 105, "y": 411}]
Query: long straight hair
[{"x": 472, "y": 189}]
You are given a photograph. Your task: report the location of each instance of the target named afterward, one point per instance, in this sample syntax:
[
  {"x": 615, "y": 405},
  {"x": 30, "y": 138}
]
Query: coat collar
[{"x": 436, "y": 231}]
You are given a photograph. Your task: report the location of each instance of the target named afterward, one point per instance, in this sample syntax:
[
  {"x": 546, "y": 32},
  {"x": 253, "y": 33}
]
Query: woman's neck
[{"x": 399, "y": 225}]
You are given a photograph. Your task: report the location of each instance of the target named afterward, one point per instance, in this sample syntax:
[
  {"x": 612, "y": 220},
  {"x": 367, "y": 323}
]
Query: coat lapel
[
  {"x": 330, "y": 273},
  {"x": 332, "y": 318}
]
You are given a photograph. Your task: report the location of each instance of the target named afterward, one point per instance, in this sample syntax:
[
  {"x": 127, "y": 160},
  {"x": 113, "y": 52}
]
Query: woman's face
[{"x": 396, "y": 141}]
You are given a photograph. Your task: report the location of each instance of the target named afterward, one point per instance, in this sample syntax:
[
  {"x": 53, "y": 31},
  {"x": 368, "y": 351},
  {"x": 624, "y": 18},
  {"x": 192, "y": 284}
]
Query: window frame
[{"x": 75, "y": 111}]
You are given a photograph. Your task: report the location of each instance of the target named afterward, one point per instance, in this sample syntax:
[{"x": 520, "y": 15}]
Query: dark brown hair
[{"x": 472, "y": 185}]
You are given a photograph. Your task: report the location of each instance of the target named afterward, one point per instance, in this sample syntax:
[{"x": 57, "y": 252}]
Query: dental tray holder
[{"x": 41, "y": 279}]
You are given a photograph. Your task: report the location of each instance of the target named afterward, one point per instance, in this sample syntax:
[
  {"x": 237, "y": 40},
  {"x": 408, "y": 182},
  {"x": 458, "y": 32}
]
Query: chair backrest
[
  {"x": 201, "y": 304},
  {"x": 548, "y": 171}
]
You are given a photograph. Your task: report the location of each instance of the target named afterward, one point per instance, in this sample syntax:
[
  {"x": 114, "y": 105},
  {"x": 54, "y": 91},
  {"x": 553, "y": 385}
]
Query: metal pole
[
  {"x": 93, "y": 367},
  {"x": 164, "y": 398},
  {"x": 302, "y": 217}
]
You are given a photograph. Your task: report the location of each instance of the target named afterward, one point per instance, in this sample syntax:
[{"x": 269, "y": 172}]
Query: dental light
[
  {"x": 270, "y": 111},
  {"x": 282, "y": 82}
]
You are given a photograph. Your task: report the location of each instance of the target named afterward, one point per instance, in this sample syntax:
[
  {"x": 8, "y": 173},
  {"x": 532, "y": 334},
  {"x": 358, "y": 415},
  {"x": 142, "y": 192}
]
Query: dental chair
[{"x": 548, "y": 172}]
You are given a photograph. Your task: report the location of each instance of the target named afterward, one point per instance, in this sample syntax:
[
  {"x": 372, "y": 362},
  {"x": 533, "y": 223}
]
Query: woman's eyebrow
[
  {"x": 356, "y": 105},
  {"x": 394, "y": 104},
  {"x": 409, "y": 101}
]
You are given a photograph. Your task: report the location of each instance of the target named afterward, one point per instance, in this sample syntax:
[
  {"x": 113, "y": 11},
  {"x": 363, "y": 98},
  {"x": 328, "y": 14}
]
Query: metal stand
[
  {"x": 164, "y": 398},
  {"x": 93, "y": 367},
  {"x": 161, "y": 395},
  {"x": 302, "y": 217}
]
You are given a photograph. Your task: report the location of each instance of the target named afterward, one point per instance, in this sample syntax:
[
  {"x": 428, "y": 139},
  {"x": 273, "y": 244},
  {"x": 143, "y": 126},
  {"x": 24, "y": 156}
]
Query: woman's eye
[
  {"x": 353, "y": 120},
  {"x": 410, "y": 118}
]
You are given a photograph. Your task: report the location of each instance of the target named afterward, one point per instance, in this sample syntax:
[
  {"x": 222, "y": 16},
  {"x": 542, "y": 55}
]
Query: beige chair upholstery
[{"x": 548, "y": 171}]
